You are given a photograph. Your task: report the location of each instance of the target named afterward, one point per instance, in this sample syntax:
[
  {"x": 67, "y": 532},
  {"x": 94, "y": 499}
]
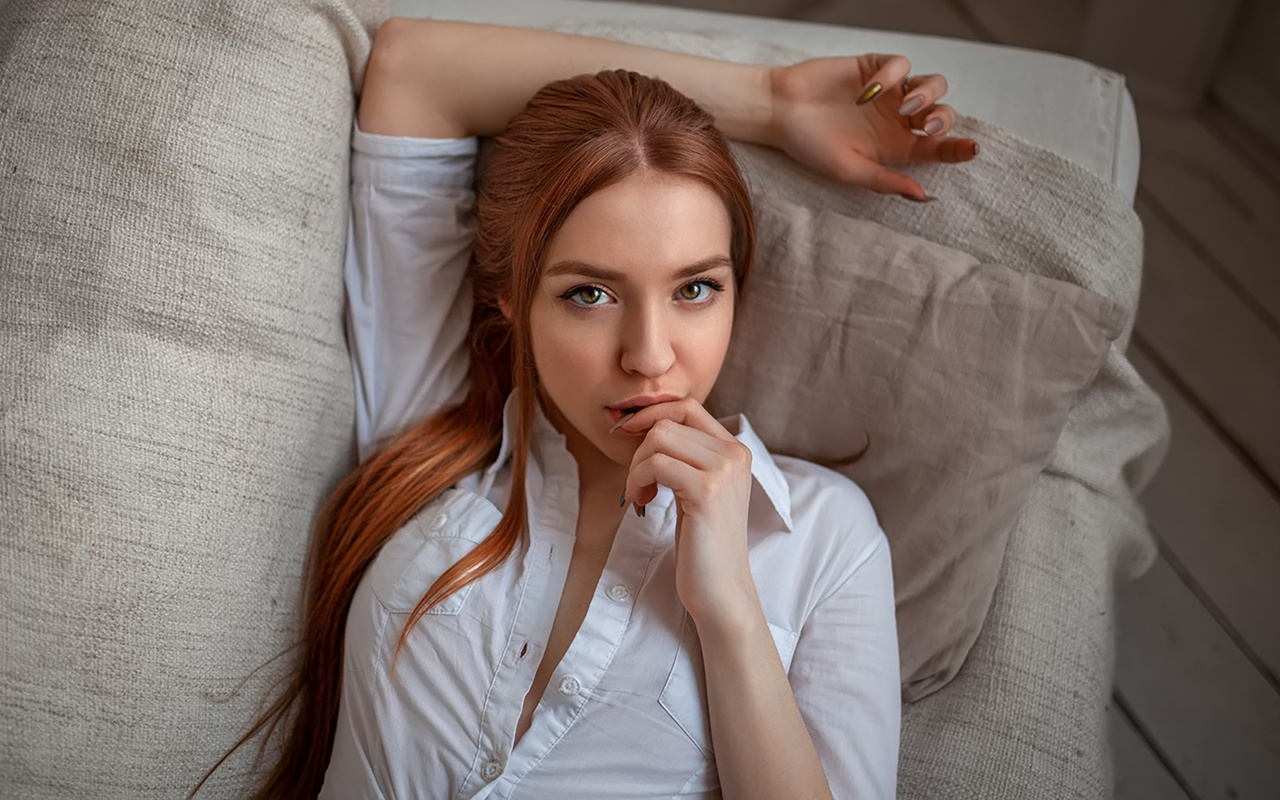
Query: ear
[{"x": 505, "y": 308}]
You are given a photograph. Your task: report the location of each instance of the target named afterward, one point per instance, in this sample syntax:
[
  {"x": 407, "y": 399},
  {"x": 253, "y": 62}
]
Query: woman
[{"x": 485, "y": 618}]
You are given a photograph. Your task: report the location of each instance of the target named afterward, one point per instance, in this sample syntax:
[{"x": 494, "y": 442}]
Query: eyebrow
[{"x": 596, "y": 272}]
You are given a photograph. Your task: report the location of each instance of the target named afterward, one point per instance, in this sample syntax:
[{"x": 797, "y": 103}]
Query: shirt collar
[{"x": 768, "y": 482}]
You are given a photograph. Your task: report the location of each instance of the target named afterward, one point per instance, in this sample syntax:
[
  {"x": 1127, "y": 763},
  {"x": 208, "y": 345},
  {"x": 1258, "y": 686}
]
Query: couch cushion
[
  {"x": 959, "y": 373},
  {"x": 175, "y": 391}
]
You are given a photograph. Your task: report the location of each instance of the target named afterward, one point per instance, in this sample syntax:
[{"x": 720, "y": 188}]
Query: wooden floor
[{"x": 1197, "y": 701}]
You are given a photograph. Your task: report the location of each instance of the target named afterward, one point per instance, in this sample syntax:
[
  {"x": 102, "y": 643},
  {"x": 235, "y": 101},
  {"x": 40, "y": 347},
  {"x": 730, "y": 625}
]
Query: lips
[{"x": 633, "y": 404}]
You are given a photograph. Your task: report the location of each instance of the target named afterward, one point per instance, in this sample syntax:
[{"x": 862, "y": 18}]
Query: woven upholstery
[{"x": 175, "y": 392}]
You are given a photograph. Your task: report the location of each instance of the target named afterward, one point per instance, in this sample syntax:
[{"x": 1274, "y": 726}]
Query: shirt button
[
  {"x": 618, "y": 592},
  {"x": 569, "y": 686},
  {"x": 439, "y": 522},
  {"x": 491, "y": 770}
]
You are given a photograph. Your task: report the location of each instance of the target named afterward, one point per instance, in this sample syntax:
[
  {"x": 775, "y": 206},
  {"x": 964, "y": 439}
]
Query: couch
[{"x": 176, "y": 400}]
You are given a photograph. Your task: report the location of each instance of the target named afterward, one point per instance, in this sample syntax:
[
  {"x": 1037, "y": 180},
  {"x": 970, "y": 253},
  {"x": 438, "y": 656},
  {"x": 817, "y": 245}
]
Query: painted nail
[
  {"x": 926, "y": 199},
  {"x": 639, "y": 510},
  {"x": 622, "y": 421},
  {"x": 622, "y": 502},
  {"x": 933, "y": 126},
  {"x": 912, "y": 105},
  {"x": 870, "y": 92}
]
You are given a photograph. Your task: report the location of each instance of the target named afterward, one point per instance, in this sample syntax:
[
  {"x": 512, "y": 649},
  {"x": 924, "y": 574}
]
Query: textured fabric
[
  {"x": 175, "y": 391},
  {"x": 625, "y": 712},
  {"x": 960, "y": 375}
]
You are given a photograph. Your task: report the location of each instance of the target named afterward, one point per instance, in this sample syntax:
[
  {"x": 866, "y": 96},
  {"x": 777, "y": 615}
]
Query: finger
[
  {"x": 946, "y": 150},
  {"x": 687, "y": 411},
  {"x": 698, "y": 449},
  {"x": 934, "y": 120},
  {"x": 684, "y": 480},
  {"x": 889, "y": 77},
  {"x": 922, "y": 92},
  {"x": 879, "y": 178}
]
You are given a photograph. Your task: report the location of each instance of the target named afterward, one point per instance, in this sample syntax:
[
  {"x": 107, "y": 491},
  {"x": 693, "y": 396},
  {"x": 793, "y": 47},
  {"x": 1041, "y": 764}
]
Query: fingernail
[
  {"x": 933, "y": 126},
  {"x": 869, "y": 93},
  {"x": 639, "y": 510},
  {"x": 975, "y": 150},
  {"x": 912, "y": 105},
  {"x": 622, "y": 502},
  {"x": 914, "y": 199},
  {"x": 622, "y": 421}
]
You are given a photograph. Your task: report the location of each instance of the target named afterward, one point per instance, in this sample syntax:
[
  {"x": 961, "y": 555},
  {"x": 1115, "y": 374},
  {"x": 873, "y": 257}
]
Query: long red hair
[{"x": 574, "y": 138}]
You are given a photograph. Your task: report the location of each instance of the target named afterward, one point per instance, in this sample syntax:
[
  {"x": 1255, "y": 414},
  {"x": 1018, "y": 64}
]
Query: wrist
[
  {"x": 748, "y": 115},
  {"x": 732, "y": 623}
]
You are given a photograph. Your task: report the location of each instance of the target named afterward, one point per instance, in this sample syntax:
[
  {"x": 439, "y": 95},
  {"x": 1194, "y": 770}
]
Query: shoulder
[
  {"x": 821, "y": 508},
  {"x": 832, "y": 517},
  {"x": 826, "y": 491}
]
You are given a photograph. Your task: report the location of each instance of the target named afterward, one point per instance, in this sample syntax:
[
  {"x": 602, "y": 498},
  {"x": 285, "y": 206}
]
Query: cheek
[
  {"x": 707, "y": 344},
  {"x": 561, "y": 347}
]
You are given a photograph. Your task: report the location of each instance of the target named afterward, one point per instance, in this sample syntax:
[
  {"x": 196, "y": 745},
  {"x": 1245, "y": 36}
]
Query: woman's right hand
[{"x": 818, "y": 122}]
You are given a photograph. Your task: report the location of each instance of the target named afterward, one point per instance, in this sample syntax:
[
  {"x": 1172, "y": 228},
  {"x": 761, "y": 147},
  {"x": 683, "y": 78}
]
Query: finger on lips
[
  {"x": 691, "y": 444},
  {"x": 686, "y": 411}
]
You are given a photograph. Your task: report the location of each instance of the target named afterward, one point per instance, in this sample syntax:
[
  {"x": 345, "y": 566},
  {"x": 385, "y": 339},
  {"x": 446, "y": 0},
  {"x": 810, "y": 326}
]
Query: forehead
[{"x": 645, "y": 225}]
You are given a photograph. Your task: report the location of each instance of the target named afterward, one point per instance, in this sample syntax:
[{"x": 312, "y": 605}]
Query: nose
[{"x": 647, "y": 347}]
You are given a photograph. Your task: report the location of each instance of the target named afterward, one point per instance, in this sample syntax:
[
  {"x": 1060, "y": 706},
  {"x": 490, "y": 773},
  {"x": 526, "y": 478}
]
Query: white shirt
[{"x": 625, "y": 712}]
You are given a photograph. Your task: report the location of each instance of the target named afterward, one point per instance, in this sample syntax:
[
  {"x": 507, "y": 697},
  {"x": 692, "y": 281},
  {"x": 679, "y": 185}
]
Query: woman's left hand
[
  {"x": 709, "y": 472},
  {"x": 818, "y": 122}
]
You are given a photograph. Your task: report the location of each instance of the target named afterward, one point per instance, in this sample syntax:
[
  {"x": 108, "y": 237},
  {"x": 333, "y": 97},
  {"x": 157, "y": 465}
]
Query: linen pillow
[
  {"x": 175, "y": 392},
  {"x": 961, "y": 373}
]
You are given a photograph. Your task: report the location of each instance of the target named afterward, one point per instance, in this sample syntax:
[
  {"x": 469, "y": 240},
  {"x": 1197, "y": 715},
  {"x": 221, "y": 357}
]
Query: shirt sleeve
[
  {"x": 845, "y": 678},
  {"x": 408, "y": 299}
]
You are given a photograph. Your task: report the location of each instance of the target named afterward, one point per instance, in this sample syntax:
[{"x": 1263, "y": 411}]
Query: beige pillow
[{"x": 962, "y": 374}]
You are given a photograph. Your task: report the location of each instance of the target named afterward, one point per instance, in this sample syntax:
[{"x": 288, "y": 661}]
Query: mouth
[{"x": 633, "y": 404}]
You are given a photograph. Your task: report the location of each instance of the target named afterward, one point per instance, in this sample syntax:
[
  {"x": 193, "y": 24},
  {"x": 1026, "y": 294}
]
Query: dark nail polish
[
  {"x": 914, "y": 199},
  {"x": 622, "y": 502}
]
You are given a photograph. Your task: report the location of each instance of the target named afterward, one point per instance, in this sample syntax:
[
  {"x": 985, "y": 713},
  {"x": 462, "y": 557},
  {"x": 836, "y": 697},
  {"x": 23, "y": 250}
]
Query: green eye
[
  {"x": 585, "y": 296},
  {"x": 700, "y": 291}
]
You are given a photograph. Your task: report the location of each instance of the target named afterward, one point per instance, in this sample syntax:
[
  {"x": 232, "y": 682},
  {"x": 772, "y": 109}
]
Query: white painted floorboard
[
  {"x": 1218, "y": 520},
  {"x": 1140, "y": 775},
  {"x": 1216, "y": 720}
]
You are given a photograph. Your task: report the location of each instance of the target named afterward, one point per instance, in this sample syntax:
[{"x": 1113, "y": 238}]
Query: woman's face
[{"x": 635, "y": 306}]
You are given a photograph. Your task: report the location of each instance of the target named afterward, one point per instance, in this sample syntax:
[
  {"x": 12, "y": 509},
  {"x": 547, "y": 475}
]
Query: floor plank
[
  {"x": 1218, "y": 520},
  {"x": 1231, "y": 211},
  {"x": 1139, "y": 773},
  {"x": 1222, "y": 352},
  {"x": 1244, "y": 142},
  {"x": 1054, "y": 26},
  {"x": 1203, "y": 703}
]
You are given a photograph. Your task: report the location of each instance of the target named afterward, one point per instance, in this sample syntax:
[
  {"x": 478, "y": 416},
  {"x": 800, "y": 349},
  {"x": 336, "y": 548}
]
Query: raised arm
[{"x": 450, "y": 79}]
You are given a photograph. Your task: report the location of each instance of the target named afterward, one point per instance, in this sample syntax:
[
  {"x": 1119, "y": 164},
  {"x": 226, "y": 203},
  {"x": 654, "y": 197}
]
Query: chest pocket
[
  {"x": 420, "y": 552},
  {"x": 684, "y": 696}
]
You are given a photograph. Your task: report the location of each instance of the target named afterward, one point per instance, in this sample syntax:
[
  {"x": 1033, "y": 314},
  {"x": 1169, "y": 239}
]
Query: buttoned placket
[{"x": 553, "y": 519}]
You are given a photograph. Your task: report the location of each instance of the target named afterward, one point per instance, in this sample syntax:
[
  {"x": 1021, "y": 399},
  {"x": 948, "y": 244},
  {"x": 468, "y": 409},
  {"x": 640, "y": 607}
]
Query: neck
[{"x": 597, "y": 474}]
